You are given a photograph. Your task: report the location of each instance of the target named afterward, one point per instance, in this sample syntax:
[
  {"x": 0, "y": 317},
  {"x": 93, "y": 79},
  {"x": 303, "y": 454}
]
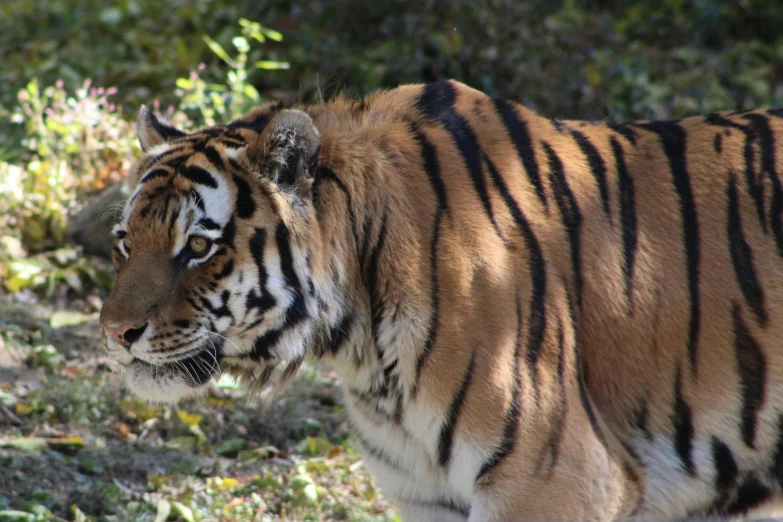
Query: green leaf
[
  {"x": 272, "y": 34},
  {"x": 184, "y": 511},
  {"x": 240, "y": 42},
  {"x": 163, "y": 511},
  {"x": 45, "y": 356},
  {"x": 271, "y": 65},
  {"x": 31, "y": 445},
  {"x": 78, "y": 514},
  {"x": 63, "y": 318},
  {"x": 185, "y": 443},
  {"x": 306, "y": 497},
  {"x": 10, "y": 515},
  {"x": 66, "y": 445},
  {"x": 263, "y": 453},
  {"x": 219, "y": 51},
  {"x": 231, "y": 447}
]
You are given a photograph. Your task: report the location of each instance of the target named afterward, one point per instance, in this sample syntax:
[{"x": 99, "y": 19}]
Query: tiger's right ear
[{"x": 153, "y": 131}]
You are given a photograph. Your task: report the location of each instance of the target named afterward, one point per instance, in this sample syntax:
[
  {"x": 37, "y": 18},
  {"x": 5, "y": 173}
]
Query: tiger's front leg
[{"x": 564, "y": 463}]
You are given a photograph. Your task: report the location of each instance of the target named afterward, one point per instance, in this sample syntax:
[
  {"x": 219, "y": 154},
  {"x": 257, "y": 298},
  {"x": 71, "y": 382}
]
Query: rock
[{"x": 91, "y": 227}]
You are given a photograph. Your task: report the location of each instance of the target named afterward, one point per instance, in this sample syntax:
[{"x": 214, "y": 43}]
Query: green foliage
[
  {"x": 210, "y": 103},
  {"x": 73, "y": 144}
]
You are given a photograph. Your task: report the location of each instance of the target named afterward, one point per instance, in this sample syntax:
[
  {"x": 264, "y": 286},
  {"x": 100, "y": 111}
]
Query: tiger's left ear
[
  {"x": 287, "y": 148},
  {"x": 153, "y": 131}
]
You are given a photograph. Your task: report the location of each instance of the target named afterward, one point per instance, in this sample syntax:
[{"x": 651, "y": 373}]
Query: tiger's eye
[
  {"x": 127, "y": 241},
  {"x": 197, "y": 244}
]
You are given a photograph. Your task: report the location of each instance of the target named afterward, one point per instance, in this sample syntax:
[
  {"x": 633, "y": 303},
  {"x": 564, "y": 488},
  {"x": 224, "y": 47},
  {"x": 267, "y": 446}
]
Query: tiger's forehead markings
[{"x": 198, "y": 159}]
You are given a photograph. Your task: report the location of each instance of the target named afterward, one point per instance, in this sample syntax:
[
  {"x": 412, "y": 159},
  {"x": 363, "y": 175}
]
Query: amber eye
[
  {"x": 127, "y": 242},
  {"x": 198, "y": 245}
]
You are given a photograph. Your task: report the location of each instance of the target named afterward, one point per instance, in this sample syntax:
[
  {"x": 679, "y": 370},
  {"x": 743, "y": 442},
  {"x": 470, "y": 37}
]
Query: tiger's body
[{"x": 531, "y": 319}]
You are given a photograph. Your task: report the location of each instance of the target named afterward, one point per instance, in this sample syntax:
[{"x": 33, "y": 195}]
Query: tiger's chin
[{"x": 173, "y": 382}]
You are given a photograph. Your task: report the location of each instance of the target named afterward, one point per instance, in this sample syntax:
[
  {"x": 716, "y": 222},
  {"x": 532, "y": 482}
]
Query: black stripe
[
  {"x": 323, "y": 173},
  {"x": 208, "y": 224},
  {"x": 173, "y": 218},
  {"x": 446, "y": 438},
  {"x": 627, "y": 219},
  {"x": 432, "y": 167},
  {"x": 339, "y": 333},
  {"x": 537, "y": 319},
  {"x": 154, "y": 173},
  {"x": 376, "y": 296},
  {"x": 259, "y": 297},
  {"x": 752, "y": 369},
  {"x": 257, "y": 245},
  {"x": 229, "y": 234},
  {"x": 760, "y": 125},
  {"x": 445, "y": 504},
  {"x": 198, "y": 200},
  {"x": 625, "y": 130},
  {"x": 777, "y": 459},
  {"x": 513, "y": 412},
  {"x": 198, "y": 175},
  {"x": 597, "y": 167},
  {"x": 673, "y": 139},
  {"x": 726, "y": 472},
  {"x": 518, "y": 133},
  {"x": 226, "y": 270},
  {"x": 683, "y": 427},
  {"x": 262, "y": 345},
  {"x": 283, "y": 238},
  {"x": 166, "y": 131},
  {"x": 641, "y": 419},
  {"x": 378, "y": 454},
  {"x": 754, "y": 183},
  {"x": 201, "y": 367},
  {"x": 570, "y": 214},
  {"x": 437, "y": 102},
  {"x": 555, "y": 438},
  {"x": 258, "y": 124},
  {"x": 742, "y": 256},
  {"x": 584, "y": 398},
  {"x": 298, "y": 309},
  {"x": 717, "y": 142},
  {"x": 750, "y": 494},
  {"x": 245, "y": 205},
  {"x": 214, "y": 156}
]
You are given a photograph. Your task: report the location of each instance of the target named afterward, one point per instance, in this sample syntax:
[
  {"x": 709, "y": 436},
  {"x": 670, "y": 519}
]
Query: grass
[{"x": 75, "y": 446}]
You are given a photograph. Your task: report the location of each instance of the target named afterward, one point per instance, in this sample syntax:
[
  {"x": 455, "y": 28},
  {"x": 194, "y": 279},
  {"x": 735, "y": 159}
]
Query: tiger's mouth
[
  {"x": 196, "y": 369},
  {"x": 175, "y": 380}
]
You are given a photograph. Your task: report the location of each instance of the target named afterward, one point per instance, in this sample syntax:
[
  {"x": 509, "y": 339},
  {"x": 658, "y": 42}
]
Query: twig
[{"x": 13, "y": 419}]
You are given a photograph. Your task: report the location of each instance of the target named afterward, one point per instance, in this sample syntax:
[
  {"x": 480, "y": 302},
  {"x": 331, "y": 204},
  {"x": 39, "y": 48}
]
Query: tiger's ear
[
  {"x": 153, "y": 131},
  {"x": 287, "y": 148}
]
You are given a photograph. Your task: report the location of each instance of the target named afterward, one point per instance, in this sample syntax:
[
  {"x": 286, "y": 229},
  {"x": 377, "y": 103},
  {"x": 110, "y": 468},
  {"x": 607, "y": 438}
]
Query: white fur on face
[{"x": 152, "y": 385}]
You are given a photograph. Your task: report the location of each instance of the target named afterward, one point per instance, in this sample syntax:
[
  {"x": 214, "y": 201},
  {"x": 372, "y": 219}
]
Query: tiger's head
[{"x": 213, "y": 253}]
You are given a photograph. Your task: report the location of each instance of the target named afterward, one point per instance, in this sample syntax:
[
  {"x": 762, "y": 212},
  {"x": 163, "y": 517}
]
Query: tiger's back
[{"x": 531, "y": 318}]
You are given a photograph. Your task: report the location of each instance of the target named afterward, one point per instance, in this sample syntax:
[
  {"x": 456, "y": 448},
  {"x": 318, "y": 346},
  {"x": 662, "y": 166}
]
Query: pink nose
[{"x": 125, "y": 334}]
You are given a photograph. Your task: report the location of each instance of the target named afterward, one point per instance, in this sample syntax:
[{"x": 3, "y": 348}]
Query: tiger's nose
[{"x": 125, "y": 334}]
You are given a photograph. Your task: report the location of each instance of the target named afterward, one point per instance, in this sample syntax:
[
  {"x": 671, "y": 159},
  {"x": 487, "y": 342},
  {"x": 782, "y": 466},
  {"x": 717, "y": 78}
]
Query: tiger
[{"x": 530, "y": 318}]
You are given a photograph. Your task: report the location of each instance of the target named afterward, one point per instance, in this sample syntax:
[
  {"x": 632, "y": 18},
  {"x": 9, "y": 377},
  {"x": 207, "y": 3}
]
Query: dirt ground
[{"x": 74, "y": 445}]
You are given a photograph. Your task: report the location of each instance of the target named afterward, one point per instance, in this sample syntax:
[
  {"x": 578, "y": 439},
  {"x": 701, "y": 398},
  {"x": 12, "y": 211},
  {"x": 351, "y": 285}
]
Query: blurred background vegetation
[{"x": 73, "y": 75}]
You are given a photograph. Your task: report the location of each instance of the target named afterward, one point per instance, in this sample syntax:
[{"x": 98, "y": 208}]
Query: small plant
[
  {"x": 221, "y": 102},
  {"x": 74, "y": 145}
]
